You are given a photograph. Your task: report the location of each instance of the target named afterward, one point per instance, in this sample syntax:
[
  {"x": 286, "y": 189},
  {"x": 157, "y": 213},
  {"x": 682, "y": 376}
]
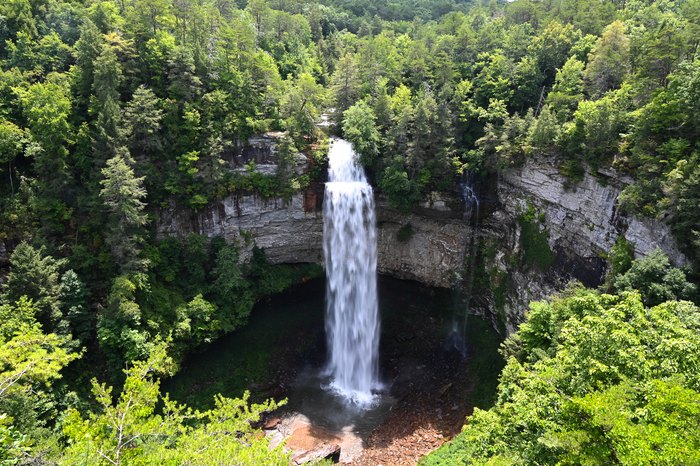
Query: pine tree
[
  {"x": 73, "y": 296},
  {"x": 36, "y": 275},
  {"x": 141, "y": 123},
  {"x": 185, "y": 85},
  {"x": 123, "y": 194},
  {"x": 107, "y": 137},
  {"x": 87, "y": 50}
]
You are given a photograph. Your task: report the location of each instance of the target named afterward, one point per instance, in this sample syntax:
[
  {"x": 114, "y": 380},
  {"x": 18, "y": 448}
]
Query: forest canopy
[{"x": 113, "y": 110}]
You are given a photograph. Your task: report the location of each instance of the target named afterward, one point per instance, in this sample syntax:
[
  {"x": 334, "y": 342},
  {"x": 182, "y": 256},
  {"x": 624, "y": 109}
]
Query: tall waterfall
[
  {"x": 350, "y": 250},
  {"x": 457, "y": 338}
]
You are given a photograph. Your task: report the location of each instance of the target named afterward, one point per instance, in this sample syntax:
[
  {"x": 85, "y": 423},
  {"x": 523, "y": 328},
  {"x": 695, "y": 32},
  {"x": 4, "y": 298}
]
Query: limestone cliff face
[
  {"x": 290, "y": 231},
  {"x": 581, "y": 224},
  {"x": 438, "y": 245},
  {"x": 583, "y": 219},
  {"x": 427, "y": 245}
]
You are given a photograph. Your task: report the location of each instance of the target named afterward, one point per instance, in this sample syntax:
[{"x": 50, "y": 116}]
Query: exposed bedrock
[{"x": 432, "y": 244}]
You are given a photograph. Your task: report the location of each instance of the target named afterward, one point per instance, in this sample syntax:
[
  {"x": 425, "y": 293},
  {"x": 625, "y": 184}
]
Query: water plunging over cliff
[
  {"x": 350, "y": 251},
  {"x": 470, "y": 197}
]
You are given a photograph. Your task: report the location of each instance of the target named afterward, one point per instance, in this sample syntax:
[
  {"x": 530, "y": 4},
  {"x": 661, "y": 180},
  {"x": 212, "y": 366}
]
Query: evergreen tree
[
  {"x": 87, "y": 50},
  {"x": 123, "y": 195},
  {"x": 345, "y": 84},
  {"x": 185, "y": 85},
  {"x": 73, "y": 302},
  {"x": 107, "y": 137},
  {"x": 37, "y": 276},
  {"x": 142, "y": 124}
]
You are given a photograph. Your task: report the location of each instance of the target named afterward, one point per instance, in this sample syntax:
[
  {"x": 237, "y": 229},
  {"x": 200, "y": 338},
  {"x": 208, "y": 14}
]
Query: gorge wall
[
  {"x": 575, "y": 225},
  {"x": 291, "y": 231},
  {"x": 580, "y": 224}
]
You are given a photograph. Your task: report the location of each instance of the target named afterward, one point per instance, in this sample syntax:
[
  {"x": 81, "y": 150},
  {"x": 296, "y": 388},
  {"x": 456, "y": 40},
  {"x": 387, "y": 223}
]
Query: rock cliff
[
  {"x": 290, "y": 231},
  {"x": 528, "y": 212},
  {"x": 580, "y": 223}
]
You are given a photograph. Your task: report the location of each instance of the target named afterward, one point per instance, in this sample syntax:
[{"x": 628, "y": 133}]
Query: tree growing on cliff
[{"x": 123, "y": 195}]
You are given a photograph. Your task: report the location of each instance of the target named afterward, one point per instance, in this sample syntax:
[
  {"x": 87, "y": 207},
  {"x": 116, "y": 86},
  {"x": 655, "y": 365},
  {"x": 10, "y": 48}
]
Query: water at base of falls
[{"x": 350, "y": 252}]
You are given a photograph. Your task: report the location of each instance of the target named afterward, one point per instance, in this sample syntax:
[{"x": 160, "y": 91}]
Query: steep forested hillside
[{"x": 111, "y": 110}]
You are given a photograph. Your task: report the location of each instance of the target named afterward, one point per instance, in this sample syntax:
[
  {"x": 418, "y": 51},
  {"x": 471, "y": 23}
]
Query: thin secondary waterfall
[
  {"x": 350, "y": 251},
  {"x": 459, "y": 322}
]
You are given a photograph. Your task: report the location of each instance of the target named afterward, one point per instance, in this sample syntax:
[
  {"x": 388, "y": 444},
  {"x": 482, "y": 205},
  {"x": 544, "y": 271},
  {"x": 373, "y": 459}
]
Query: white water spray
[{"x": 350, "y": 251}]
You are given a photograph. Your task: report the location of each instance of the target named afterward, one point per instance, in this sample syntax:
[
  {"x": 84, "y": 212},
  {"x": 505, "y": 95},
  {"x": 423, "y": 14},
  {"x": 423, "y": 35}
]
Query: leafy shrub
[
  {"x": 592, "y": 378},
  {"x": 656, "y": 279},
  {"x": 405, "y": 233},
  {"x": 534, "y": 240}
]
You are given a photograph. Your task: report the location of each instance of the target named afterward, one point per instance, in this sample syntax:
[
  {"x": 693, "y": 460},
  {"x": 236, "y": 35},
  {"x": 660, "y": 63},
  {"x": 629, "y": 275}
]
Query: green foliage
[
  {"x": 128, "y": 429},
  {"x": 122, "y": 193},
  {"x": 405, "y": 233},
  {"x": 267, "y": 279},
  {"x": 111, "y": 111},
  {"x": 345, "y": 83},
  {"x": 301, "y": 107},
  {"x": 198, "y": 290},
  {"x": 37, "y": 276},
  {"x": 656, "y": 279},
  {"x": 46, "y": 108},
  {"x": 591, "y": 379},
  {"x": 27, "y": 355},
  {"x": 609, "y": 60},
  {"x": 359, "y": 127},
  {"x": 594, "y": 132},
  {"x": 72, "y": 296},
  {"x": 119, "y": 328},
  {"x": 142, "y": 122},
  {"x": 30, "y": 361},
  {"x": 402, "y": 193},
  {"x": 534, "y": 241},
  {"x": 683, "y": 194},
  {"x": 620, "y": 256},
  {"x": 567, "y": 90},
  {"x": 230, "y": 290}
]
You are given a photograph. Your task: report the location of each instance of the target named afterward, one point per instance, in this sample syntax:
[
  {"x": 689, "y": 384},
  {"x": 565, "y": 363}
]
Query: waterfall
[
  {"x": 457, "y": 337},
  {"x": 350, "y": 251}
]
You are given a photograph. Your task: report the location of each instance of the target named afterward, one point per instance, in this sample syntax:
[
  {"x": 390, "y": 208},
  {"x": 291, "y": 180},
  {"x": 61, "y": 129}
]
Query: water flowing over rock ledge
[
  {"x": 428, "y": 244},
  {"x": 291, "y": 231}
]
